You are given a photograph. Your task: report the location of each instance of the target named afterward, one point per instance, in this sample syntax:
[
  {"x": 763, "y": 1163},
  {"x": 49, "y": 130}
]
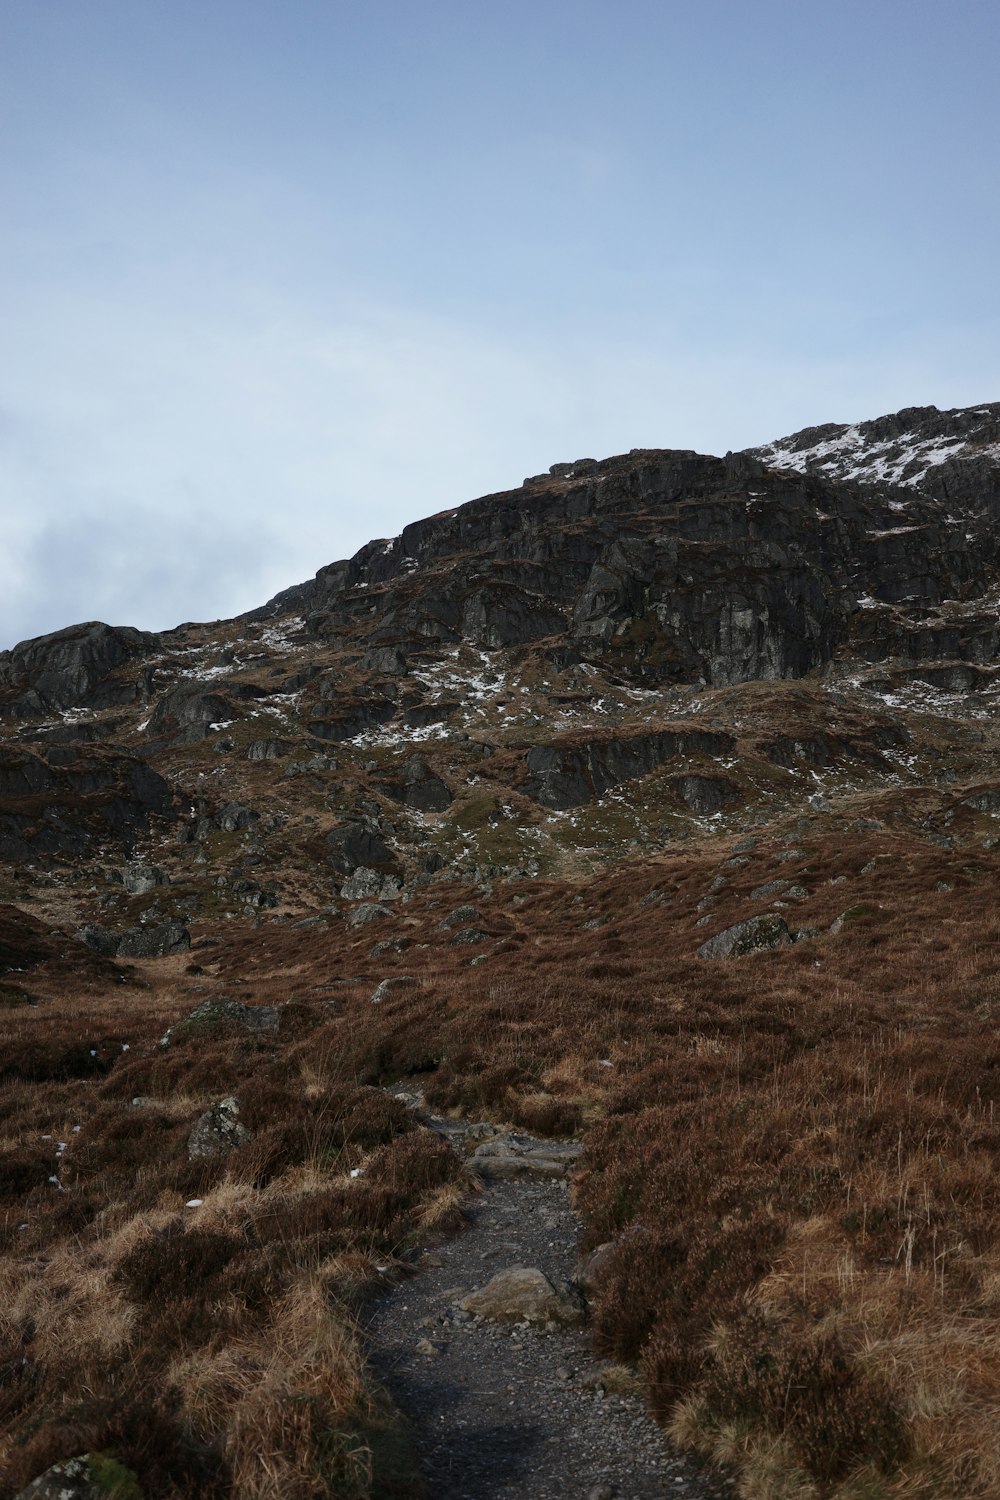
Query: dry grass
[{"x": 794, "y": 1155}]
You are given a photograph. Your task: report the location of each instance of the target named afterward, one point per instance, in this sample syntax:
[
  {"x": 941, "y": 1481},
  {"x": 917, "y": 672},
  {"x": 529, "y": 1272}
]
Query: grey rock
[
  {"x": 458, "y": 916},
  {"x": 219, "y": 1011},
  {"x": 366, "y": 884},
  {"x": 396, "y": 982},
  {"x": 524, "y": 1294},
  {"x": 89, "y": 1476},
  {"x": 367, "y": 911},
  {"x": 156, "y": 940},
  {"x": 768, "y": 889},
  {"x": 139, "y": 880},
  {"x": 268, "y": 749},
  {"x": 101, "y": 939},
  {"x": 747, "y": 937},
  {"x": 218, "y": 1131},
  {"x": 78, "y": 666}
]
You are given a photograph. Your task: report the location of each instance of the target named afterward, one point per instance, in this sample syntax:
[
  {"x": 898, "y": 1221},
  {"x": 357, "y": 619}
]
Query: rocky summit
[
  {"x": 624, "y": 843},
  {"x": 613, "y": 657}
]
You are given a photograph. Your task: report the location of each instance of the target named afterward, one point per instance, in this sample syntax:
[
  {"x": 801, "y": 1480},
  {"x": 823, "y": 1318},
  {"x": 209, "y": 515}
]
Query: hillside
[{"x": 654, "y": 803}]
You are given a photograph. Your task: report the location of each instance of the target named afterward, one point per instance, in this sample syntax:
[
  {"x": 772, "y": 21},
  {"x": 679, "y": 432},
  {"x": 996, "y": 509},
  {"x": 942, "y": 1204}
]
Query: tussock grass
[{"x": 793, "y": 1156}]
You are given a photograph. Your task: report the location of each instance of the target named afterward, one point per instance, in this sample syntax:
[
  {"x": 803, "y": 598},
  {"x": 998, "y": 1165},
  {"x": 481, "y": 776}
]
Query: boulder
[
  {"x": 523, "y": 1294},
  {"x": 139, "y": 880},
  {"x": 368, "y": 911},
  {"x": 101, "y": 939},
  {"x": 218, "y": 1131},
  {"x": 353, "y": 844},
  {"x": 367, "y": 884},
  {"x": 396, "y": 982},
  {"x": 268, "y": 749},
  {"x": 219, "y": 1011},
  {"x": 747, "y": 937},
  {"x": 155, "y": 940}
]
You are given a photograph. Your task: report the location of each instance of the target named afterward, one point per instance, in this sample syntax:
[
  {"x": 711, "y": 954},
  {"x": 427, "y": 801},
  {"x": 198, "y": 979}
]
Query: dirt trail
[{"x": 514, "y": 1413}]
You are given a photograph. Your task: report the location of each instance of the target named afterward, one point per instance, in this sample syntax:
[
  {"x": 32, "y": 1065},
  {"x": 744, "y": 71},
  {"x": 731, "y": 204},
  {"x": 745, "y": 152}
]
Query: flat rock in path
[
  {"x": 510, "y": 1156},
  {"x": 523, "y": 1294}
]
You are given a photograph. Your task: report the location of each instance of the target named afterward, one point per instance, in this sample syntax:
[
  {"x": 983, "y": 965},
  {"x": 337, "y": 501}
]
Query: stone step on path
[{"x": 504, "y": 1411}]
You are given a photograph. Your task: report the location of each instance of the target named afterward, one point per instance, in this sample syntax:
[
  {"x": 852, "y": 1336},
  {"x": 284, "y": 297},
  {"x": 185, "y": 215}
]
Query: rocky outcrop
[
  {"x": 152, "y": 940},
  {"x": 62, "y": 802},
  {"x": 355, "y": 843},
  {"x": 419, "y": 787},
  {"x": 564, "y": 775},
  {"x": 82, "y": 666}
]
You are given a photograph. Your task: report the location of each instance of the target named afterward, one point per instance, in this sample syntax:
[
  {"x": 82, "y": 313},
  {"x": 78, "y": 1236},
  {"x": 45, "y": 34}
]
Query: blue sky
[{"x": 278, "y": 278}]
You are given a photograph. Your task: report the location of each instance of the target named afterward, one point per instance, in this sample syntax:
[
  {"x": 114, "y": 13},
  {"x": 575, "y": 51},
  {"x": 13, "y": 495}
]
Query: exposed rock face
[
  {"x": 568, "y": 775},
  {"x": 58, "y": 800},
  {"x": 419, "y": 788},
  {"x": 953, "y": 455},
  {"x": 353, "y": 844},
  {"x": 671, "y": 566},
  {"x": 524, "y": 1294},
  {"x": 72, "y": 668},
  {"x": 765, "y": 931},
  {"x": 90, "y": 1476}
]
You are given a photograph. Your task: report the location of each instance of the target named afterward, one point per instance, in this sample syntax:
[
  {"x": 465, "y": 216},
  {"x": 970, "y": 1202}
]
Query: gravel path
[{"x": 515, "y": 1413}]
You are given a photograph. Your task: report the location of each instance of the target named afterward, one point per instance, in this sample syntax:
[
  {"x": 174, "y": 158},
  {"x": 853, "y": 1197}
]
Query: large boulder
[
  {"x": 218, "y": 1011},
  {"x": 523, "y": 1294},
  {"x": 765, "y": 931},
  {"x": 155, "y": 940}
]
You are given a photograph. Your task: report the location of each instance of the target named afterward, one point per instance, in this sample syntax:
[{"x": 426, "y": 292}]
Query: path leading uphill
[{"x": 514, "y": 1412}]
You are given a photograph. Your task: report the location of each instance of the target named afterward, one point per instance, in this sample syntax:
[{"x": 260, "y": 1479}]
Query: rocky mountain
[
  {"x": 652, "y": 803},
  {"x": 615, "y": 655}
]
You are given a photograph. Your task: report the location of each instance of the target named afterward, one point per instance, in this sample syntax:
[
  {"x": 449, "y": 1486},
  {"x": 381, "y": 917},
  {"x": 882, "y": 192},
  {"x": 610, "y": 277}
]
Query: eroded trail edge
[{"x": 518, "y": 1410}]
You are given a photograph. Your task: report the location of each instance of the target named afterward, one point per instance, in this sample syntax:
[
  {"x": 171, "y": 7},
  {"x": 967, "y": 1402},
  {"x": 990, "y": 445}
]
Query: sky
[{"x": 277, "y": 279}]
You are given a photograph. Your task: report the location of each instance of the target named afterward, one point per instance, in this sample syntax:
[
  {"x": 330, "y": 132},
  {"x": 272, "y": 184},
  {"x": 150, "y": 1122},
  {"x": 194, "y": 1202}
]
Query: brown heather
[{"x": 794, "y": 1154}]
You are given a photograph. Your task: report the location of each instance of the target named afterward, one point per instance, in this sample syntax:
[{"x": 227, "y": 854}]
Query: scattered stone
[
  {"x": 429, "y": 1349},
  {"x": 523, "y": 1294},
  {"x": 218, "y": 1131}
]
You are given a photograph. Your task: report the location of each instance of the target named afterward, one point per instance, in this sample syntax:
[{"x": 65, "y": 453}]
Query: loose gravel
[{"x": 501, "y": 1413}]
